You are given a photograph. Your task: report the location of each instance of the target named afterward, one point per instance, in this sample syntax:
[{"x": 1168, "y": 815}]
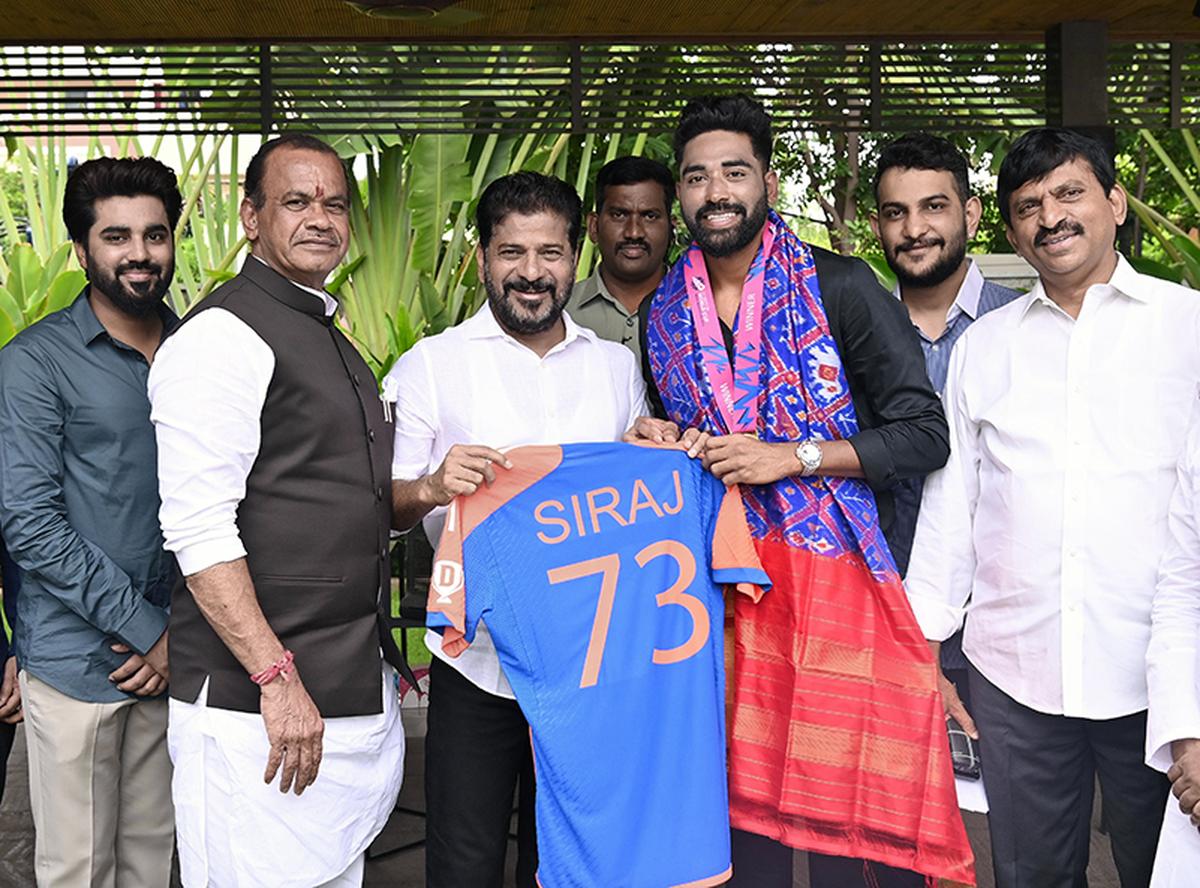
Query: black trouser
[
  {"x": 1041, "y": 771},
  {"x": 476, "y": 749},
  {"x": 759, "y": 862},
  {"x": 6, "y": 741}
]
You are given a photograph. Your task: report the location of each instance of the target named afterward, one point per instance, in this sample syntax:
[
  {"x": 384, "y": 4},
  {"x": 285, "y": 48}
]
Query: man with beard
[
  {"x": 800, "y": 379},
  {"x": 79, "y": 505},
  {"x": 519, "y": 371},
  {"x": 275, "y": 451},
  {"x": 925, "y": 214},
  {"x": 632, "y": 229},
  {"x": 1068, "y": 410}
]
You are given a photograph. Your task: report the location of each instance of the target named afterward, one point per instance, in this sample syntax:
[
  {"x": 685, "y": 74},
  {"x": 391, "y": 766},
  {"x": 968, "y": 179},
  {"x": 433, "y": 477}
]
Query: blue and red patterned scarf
[{"x": 837, "y": 733}]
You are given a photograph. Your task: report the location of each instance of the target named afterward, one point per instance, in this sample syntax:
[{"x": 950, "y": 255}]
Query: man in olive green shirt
[{"x": 632, "y": 228}]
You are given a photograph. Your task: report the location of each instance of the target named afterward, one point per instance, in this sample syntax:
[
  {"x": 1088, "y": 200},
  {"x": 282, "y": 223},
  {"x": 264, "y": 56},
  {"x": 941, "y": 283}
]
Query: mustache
[
  {"x": 525, "y": 285},
  {"x": 712, "y": 208},
  {"x": 634, "y": 242},
  {"x": 1066, "y": 226},
  {"x": 152, "y": 267},
  {"x": 919, "y": 243}
]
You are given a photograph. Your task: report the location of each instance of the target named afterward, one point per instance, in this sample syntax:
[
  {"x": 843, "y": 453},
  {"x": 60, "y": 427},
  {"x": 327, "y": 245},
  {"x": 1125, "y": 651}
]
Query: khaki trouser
[{"x": 100, "y": 789}]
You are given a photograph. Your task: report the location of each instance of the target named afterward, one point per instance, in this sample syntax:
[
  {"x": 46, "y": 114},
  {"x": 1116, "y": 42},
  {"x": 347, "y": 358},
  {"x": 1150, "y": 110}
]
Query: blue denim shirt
[{"x": 79, "y": 501}]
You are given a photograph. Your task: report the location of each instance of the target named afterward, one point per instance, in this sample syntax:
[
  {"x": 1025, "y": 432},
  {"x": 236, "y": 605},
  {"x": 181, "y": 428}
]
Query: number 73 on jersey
[{"x": 608, "y": 567}]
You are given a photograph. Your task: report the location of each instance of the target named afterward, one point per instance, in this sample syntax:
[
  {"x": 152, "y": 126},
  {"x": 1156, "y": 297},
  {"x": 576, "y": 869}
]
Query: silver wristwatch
[{"x": 809, "y": 454}]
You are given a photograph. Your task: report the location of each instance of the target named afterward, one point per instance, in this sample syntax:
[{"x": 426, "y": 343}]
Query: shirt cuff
[
  {"x": 198, "y": 556},
  {"x": 877, "y": 464},
  {"x": 938, "y": 620},
  {"x": 1163, "y": 730},
  {"x": 144, "y": 627}
]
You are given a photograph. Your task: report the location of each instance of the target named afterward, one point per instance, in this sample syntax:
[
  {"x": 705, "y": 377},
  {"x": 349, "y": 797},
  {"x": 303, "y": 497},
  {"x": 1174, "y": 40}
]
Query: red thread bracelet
[{"x": 283, "y": 666}]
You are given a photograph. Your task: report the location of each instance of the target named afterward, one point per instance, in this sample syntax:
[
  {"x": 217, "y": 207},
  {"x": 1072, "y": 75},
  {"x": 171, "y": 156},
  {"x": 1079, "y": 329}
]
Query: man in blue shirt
[
  {"x": 79, "y": 512},
  {"x": 10, "y": 692}
]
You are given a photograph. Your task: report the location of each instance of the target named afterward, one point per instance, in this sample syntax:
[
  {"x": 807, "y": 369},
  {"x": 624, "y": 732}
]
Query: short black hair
[
  {"x": 528, "y": 193},
  {"x": 631, "y": 170},
  {"x": 117, "y": 177},
  {"x": 1041, "y": 151},
  {"x": 258, "y": 163},
  {"x": 736, "y": 113},
  {"x": 921, "y": 151}
]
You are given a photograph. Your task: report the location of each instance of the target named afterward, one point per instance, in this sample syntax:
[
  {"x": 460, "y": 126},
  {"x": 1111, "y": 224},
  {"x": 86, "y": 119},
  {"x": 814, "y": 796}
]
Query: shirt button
[
  {"x": 370, "y": 434},
  {"x": 936, "y": 347},
  {"x": 357, "y": 381},
  {"x": 383, "y": 553},
  {"x": 629, "y": 322},
  {"x": 379, "y": 494}
]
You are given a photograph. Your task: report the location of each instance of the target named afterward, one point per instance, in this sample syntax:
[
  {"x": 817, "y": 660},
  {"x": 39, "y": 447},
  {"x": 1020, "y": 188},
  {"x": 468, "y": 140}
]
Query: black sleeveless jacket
[{"x": 316, "y": 514}]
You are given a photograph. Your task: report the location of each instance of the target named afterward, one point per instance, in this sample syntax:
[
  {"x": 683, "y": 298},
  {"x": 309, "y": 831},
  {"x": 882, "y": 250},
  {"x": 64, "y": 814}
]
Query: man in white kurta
[
  {"x": 1173, "y": 730},
  {"x": 262, "y": 408}
]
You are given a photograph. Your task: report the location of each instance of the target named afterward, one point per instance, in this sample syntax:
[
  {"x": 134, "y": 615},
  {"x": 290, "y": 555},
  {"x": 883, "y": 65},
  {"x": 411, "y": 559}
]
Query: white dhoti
[
  {"x": 1177, "y": 862},
  {"x": 235, "y": 831}
]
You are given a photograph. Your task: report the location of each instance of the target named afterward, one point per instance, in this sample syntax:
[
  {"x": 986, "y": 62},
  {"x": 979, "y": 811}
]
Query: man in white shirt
[
  {"x": 519, "y": 371},
  {"x": 1067, "y": 409},
  {"x": 274, "y": 457},
  {"x": 1173, "y": 731}
]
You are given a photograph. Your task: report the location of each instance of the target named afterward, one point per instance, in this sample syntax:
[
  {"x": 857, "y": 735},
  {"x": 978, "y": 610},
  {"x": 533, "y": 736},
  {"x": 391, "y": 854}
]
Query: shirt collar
[
  {"x": 89, "y": 326},
  {"x": 593, "y": 287},
  {"x": 967, "y": 299},
  {"x": 483, "y": 325},
  {"x": 1125, "y": 280},
  {"x": 84, "y": 317}
]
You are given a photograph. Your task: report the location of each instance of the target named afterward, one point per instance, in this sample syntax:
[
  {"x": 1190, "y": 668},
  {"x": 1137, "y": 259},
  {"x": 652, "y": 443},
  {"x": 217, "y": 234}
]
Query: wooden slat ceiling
[{"x": 713, "y": 21}]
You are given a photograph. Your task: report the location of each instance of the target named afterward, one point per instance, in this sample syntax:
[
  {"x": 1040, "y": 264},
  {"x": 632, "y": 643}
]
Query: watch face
[{"x": 810, "y": 455}]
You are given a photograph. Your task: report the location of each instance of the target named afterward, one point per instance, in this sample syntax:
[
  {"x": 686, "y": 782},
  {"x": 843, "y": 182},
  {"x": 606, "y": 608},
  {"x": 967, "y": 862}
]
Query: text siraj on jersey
[{"x": 604, "y": 501}]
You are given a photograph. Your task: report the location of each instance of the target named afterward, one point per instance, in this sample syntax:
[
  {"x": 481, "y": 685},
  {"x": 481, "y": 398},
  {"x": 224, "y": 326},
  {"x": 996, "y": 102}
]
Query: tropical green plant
[
  {"x": 33, "y": 289},
  {"x": 1181, "y": 248},
  {"x": 411, "y": 268}
]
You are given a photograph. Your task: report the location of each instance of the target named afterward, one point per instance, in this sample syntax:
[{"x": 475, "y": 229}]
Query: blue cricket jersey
[{"x": 599, "y": 569}]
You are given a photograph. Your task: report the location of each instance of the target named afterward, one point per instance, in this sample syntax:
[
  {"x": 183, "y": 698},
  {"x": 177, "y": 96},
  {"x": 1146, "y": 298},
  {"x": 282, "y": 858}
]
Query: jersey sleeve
[
  {"x": 447, "y": 609},
  {"x": 466, "y": 578},
  {"x": 734, "y": 559}
]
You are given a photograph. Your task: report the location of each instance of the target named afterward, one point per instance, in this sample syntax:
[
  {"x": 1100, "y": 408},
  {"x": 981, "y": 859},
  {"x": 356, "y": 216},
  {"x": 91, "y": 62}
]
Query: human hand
[
  {"x": 157, "y": 657},
  {"x": 1184, "y": 775},
  {"x": 10, "y": 694},
  {"x": 743, "y": 459},
  {"x": 136, "y": 675},
  {"x": 663, "y": 431},
  {"x": 647, "y": 428},
  {"x": 294, "y": 730},
  {"x": 465, "y": 467}
]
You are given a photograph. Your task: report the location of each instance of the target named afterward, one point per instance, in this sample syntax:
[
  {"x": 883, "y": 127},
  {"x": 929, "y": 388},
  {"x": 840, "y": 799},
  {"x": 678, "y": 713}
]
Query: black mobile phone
[{"x": 964, "y": 752}]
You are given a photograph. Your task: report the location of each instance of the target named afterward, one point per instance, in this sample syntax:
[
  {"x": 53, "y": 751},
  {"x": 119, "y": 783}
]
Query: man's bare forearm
[
  {"x": 225, "y": 595},
  {"x": 410, "y": 503}
]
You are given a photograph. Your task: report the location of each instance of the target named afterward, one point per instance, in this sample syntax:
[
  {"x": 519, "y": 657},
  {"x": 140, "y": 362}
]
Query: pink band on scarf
[{"x": 735, "y": 388}]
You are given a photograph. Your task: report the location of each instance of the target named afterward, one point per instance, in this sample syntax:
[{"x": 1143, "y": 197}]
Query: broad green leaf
[
  {"x": 25, "y": 273},
  {"x": 7, "y": 329},
  {"x": 343, "y": 274},
  {"x": 1187, "y": 246},
  {"x": 57, "y": 261},
  {"x": 10, "y": 310},
  {"x": 1157, "y": 269},
  {"x": 63, "y": 290}
]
